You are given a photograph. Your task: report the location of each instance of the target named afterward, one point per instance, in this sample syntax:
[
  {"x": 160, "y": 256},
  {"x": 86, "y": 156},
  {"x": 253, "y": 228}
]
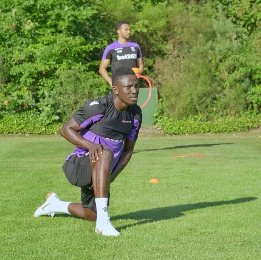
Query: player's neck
[
  {"x": 119, "y": 105},
  {"x": 122, "y": 40}
]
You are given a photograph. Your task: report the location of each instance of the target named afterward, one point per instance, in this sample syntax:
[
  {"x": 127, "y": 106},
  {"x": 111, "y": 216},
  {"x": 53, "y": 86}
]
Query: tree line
[{"x": 203, "y": 56}]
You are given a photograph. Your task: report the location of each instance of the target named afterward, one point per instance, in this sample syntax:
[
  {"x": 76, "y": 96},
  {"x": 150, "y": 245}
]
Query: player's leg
[
  {"x": 101, "y": 179},
  {"x": 101, "y": 174},
  {"x": 53, "y": 205},
  {"x": 86, "y": 209},
  {"x": 78, "y": 171},
  {"x": 77, "y": 210}
]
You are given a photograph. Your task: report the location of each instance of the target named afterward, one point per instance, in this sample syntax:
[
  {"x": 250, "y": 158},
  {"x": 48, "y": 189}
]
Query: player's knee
[{"x": 107, "y": 155}]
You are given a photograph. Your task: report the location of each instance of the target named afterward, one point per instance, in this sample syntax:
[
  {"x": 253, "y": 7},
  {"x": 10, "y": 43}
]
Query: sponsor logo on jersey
[
  {"x": 126, "y": 121},
  {"x": 127, "y": 57},
  {"x": 94, "y": 103}
]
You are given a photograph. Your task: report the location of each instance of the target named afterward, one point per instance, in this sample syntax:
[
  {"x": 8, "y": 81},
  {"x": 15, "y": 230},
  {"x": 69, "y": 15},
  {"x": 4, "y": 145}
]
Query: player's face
[
  {"x": 124, "y": 31},
  {"x": 128, "y": 89}
]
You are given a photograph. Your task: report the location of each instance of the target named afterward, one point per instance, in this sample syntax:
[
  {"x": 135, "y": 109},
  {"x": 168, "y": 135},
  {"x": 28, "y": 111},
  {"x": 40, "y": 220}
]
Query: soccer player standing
[
  {"x": 105, "y": 131},
  {"x": 121, "y": 53}
]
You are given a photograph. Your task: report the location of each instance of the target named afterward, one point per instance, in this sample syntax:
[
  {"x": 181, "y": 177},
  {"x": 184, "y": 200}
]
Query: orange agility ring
[
  {"x": 149, "y": 86},
  {"x": 139, "y": 76}
]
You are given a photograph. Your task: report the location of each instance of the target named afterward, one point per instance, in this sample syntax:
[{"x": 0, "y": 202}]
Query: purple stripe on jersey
[
  {"x": 89, "y": 121},
  {"x": 114, "y": 145},
  {"x": 116, "y": 44},
  {"x": 135, "y": 130}
]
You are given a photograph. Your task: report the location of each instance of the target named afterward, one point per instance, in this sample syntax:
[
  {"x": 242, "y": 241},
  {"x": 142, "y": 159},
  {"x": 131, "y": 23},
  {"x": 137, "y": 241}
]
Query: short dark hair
[
  {"x": 122, "y": 71},
  {"x": 120, "y": 23}
]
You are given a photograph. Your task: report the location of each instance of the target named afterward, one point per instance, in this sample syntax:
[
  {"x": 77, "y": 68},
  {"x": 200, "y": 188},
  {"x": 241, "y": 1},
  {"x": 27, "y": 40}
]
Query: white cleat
[
  {"x": 46, "y": 209},
  {"x": 107, "y": 230}
]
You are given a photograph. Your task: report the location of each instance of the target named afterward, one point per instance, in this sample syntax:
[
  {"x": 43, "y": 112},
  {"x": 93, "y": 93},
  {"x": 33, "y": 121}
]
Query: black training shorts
[
  {"x": 88, "y": 198},
  {"x": 78, "y": 171}
]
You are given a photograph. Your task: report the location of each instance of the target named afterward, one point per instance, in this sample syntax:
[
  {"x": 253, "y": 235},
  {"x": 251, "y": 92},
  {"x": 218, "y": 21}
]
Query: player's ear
[{"x": 115, "y": 90}]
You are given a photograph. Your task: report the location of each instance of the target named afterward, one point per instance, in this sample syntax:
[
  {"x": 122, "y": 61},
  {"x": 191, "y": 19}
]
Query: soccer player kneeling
[{"x": 104, "y": 131}]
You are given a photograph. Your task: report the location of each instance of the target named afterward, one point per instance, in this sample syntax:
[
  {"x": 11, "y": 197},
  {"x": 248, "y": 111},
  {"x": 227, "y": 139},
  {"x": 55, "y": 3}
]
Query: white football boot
[
  {"x": 107, "y": 229},
  {"x": 47, "y": 209}
]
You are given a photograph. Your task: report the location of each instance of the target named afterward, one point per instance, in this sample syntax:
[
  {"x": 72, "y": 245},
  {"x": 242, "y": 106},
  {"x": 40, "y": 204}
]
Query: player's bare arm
[
  {"x": 140, "y": 65},
  {"x": 103, "y": 70},
  {"x": 70, "y": 131}
]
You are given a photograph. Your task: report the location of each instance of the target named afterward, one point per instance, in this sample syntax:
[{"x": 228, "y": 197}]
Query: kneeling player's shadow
[{"x": 164, "y": 213}]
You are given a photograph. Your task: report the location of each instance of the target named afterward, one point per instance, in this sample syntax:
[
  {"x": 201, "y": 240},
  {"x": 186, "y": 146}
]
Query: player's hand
[
  {"x": 136, "y": 70},
  {"x": 95, "y": 151},
  {"x": 110, "y": 82}
]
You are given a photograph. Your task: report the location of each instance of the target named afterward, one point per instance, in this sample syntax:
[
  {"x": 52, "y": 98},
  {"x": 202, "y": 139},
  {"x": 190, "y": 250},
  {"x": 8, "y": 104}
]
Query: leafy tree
[
  {"x": 41, "y": 39},
  {"x": 204, "y": 56},
  {"x": 210, "y": 70}
]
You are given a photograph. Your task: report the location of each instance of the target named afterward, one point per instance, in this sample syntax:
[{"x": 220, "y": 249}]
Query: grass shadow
[
  {"x": 179, "y": 147},
  {"x": 164, "y": 213}
]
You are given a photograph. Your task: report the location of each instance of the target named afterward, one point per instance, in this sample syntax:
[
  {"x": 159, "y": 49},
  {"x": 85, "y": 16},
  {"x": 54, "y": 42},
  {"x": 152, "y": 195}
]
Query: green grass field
[{"x": 207, "y": 205}]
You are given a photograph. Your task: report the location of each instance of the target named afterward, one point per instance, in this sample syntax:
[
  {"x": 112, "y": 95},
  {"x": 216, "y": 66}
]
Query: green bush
[
  {"x": 208, "y": 71},
  {"x": 26, "y": 123},
  {"x": 197, "y": 124},
  {"x": 42, "y": 40},
  {"x": 31, "y": 123},
  {"x": 204, "y": 56},
  {"x": 245, "y": 14},
  {"x": 72, "y": 88}
]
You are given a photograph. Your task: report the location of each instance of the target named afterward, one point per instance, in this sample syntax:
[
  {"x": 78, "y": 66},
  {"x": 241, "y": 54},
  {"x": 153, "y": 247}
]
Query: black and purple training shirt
[
  {"x": 101, "y": 123},
  {"x": 122, "y": 55}
]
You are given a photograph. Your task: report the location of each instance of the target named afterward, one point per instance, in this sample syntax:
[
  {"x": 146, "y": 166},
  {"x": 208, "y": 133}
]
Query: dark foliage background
[{"x": 203, "y": 56}]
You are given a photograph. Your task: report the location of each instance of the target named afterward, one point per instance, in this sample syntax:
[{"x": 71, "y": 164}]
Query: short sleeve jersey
[
  {"x": 122, "y": 55},
  {"x": 102, "y": 123}
]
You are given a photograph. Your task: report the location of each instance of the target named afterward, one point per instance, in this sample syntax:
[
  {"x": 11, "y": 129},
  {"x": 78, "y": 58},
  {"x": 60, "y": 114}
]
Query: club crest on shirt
[
  {"x": 132, "y": 49},
  {"x": 95, "y": 102},
  {"x": 118, "y": 50}
]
